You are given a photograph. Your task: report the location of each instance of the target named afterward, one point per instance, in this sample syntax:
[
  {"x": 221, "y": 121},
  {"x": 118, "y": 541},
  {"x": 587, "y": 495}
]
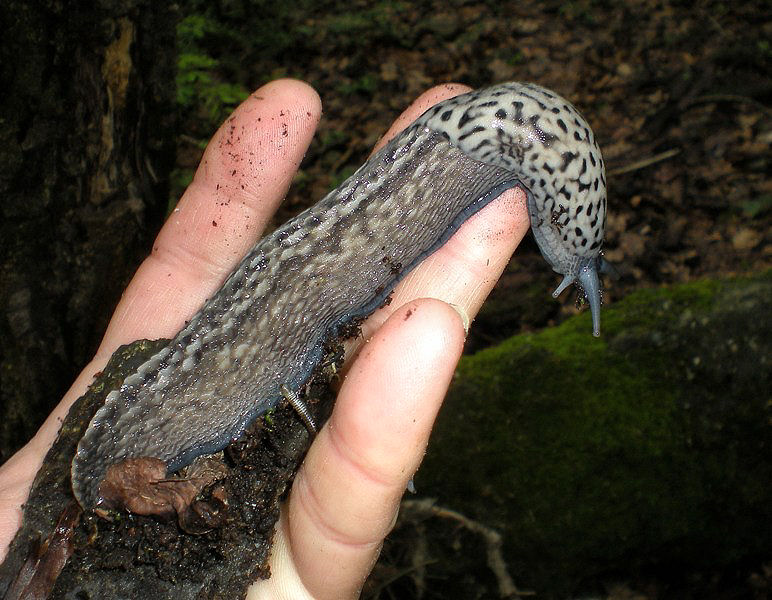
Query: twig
[
  {"x": 645, "y": 162},
  {"x": 493, "y": 541},
  {"x": 733, "y": 98}
]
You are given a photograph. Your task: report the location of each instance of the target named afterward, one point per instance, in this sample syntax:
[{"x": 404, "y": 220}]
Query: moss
[{"x": 600, "y": 455}]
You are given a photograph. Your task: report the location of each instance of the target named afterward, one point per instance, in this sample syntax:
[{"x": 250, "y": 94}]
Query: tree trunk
[{"x": 86, "y": 147}]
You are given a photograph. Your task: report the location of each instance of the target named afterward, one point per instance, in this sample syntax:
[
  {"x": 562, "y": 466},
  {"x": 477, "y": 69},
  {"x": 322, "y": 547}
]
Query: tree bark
[{"x": 86, "y": 147}]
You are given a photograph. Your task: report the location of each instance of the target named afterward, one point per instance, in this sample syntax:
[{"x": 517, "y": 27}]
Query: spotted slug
[{"x": 264, "y": 331}]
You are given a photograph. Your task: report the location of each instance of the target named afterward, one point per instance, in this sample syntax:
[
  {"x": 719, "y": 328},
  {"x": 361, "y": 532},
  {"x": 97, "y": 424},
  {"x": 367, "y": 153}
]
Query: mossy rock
[{"x": 645, "y": 449}]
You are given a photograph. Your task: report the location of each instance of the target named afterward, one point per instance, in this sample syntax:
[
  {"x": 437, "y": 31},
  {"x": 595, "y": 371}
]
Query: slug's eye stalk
[
  {"x": 586, "y": 275},
  {"x": 588, "y": 279}
]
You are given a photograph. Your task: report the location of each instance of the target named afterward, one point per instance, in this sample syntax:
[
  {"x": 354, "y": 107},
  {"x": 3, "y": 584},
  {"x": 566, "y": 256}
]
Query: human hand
[{"x": 345, "y": 497}]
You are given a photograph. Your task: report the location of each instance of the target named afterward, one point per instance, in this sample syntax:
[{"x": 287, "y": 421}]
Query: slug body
[{"x": 338, "y": 261}]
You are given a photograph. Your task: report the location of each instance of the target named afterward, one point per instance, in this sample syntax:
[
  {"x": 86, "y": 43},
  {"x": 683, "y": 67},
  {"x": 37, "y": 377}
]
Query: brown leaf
[{"x": 140, "y": 486}]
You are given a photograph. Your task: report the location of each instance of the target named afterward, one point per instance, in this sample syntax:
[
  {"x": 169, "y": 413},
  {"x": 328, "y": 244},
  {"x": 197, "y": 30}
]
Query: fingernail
[{"x": 464, "y": 317}]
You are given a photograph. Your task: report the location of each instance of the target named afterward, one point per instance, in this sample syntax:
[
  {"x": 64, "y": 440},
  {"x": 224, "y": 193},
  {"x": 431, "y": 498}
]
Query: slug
[{"x": 263, "y": 333}]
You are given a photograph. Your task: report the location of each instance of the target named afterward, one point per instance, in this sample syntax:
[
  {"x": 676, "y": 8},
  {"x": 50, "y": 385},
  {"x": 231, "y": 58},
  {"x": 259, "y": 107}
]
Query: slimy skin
[{"x": 264, "y": 332}]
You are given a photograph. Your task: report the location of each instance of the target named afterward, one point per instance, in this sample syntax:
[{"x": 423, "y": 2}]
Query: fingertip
[
  {"x": 431, "y": 326},
  {"x": 464, "y": 315},
  {"x": 423, "y": 325},
  {"x": 293, "y": 91},
  {"x": 439, "y": 93}
]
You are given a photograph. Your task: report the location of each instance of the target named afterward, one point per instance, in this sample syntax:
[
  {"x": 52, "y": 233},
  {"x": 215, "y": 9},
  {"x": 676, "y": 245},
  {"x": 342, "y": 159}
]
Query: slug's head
[
  {"x": 551, "y": 151},
  {"x": 585, "y": 275}
]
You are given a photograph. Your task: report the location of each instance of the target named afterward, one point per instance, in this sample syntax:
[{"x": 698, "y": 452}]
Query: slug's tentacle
[
  {"x": 588, "y": 280},
  {"x": 263, "y": 333}
]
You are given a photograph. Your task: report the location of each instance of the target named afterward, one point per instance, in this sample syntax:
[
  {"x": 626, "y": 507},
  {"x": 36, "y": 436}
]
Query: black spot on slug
[
  {"x": 501, "y": 114},
  {"x": 485, "y": 142},
  {"x": 562, "y": 125},
  {"x": 568, "y": 158},
  {"x": 518, "y": 116},
  {"x": 472, "y": 131},
  {"x": 446, "y": 115},
  {"x": 545, "y": 138},
  {"x": 465, "y": 118}
]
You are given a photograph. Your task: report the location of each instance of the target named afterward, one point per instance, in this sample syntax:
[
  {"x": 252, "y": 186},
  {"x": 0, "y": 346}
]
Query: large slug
[{"x": 338, "y": 261}]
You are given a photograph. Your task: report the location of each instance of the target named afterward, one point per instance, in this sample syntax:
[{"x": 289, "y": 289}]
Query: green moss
[{"x": 595, "y": 455}]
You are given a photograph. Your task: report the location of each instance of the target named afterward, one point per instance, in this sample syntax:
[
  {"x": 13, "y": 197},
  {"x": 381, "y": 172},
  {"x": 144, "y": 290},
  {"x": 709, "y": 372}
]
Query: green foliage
[
  {"x": 516, "y": 58},
  {"x": 583, "y": 11},
  {"x": 756, "y": 207},
  {"x": 365, "y": 85},
  {"x": 380, "y": 21},
  {"x": 341, "y": 176},
  {"x": 198, "y": 81}
]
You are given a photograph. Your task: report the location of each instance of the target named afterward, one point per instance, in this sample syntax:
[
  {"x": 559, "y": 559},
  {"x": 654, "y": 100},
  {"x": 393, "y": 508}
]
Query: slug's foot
[{"x": 300, "y": 407}]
